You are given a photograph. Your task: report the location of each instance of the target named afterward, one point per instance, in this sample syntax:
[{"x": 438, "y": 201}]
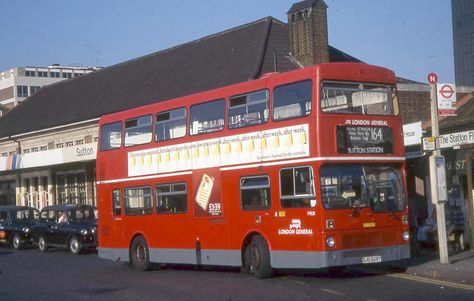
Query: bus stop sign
[{"x": 432, "y": 78}]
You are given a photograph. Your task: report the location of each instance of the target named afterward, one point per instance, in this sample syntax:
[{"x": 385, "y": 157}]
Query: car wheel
[
  {"x": 16, "y": 241},
  {"x": 42, "y": 244},
  {"x": 74, "y": 245},
  {"x": 139, "y": 254},
  {"x": 260, "y": 258}
]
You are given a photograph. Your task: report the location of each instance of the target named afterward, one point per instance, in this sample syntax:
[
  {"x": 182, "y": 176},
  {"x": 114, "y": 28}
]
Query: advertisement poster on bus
[
  {"x": 207, "y": 193},
  {"x": 253, "y": 147}
]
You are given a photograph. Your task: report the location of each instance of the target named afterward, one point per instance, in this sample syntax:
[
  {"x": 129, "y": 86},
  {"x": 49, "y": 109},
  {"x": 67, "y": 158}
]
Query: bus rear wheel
[
  {"x": 139, "y": 254},
  {"x": 259, "y": 258}
]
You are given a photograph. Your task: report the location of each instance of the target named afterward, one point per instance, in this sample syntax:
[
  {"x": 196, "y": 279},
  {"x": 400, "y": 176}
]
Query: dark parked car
[
  {"x": 16, "y": 223},
  {"x": 68, "y": 226}
]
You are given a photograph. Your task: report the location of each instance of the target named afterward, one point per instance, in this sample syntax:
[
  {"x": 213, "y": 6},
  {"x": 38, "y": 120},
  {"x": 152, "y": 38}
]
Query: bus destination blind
[{"x": 364, "y": 140}]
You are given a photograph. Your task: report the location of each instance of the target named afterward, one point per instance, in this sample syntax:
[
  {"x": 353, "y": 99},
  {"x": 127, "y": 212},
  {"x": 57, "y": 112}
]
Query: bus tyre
[
  {"x": 139, "y": 254},
  {"x": 260, "y": 258},
  {"x": 246, "y": 260},
  {"x": 42, "y": 244},
  {"x": 16, "y": 241},
  {"x": 74, "y": 245}
]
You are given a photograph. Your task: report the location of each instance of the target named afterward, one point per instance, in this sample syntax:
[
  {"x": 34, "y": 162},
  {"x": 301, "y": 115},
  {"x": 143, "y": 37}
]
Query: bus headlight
[
  {"x": 405, "y": 236},
  {"x": 84, "y": 232},
  {"x": 26, "y": 229},
  {"x": 330, "y": 242}
]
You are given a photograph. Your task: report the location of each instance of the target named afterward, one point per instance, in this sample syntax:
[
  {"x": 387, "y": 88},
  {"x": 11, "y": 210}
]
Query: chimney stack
[{"x": 308, "y": 25}]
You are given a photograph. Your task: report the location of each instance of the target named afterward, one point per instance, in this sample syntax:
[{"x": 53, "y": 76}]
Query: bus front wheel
[
  {"x": 259, "y": 258},
  {"x": 139, "y": 254}
]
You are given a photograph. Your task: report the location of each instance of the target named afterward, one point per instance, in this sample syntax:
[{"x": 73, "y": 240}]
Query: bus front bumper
[{"x": 324, "y": 259}]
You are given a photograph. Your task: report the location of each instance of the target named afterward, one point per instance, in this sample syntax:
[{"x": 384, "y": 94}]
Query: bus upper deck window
[
  {"x": 358, "y": 98},
  {"x": 248, "y": 109},
  {"x": 170, "y": 124},
  {"x": 138, "y": 130},
  {"x": 111, "y": 136},
  {"x": 207, "y": 117},
  {"x": 293, "y": 100}
]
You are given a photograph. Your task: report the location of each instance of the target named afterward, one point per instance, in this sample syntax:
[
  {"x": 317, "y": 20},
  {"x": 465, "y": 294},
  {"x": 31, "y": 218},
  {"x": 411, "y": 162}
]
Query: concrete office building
[
  {"x": 463, "y": 38},
  {"x": 19, "y": 83}
]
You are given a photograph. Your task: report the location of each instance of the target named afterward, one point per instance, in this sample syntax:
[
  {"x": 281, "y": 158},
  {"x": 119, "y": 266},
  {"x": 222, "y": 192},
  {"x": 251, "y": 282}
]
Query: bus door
[
  {"x": 211, "y": 232},
  {"x": 116, "y": 223}
]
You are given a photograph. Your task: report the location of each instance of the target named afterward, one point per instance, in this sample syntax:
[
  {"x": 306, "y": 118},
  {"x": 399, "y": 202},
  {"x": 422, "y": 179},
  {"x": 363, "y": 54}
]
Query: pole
[
  {"x": 440, "y": 215},
  {"x": 470, "y": 193}
]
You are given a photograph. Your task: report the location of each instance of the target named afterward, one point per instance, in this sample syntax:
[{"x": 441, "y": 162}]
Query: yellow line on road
[
  {"x": 433, "y": 281},
  {"x": 330, "y": 291}
]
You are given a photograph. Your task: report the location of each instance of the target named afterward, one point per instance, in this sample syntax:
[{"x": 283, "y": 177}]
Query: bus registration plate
[{"x": 371, "y": 259}]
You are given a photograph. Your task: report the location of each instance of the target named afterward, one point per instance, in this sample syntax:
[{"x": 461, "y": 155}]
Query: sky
[{"x": 410, "y": 37}]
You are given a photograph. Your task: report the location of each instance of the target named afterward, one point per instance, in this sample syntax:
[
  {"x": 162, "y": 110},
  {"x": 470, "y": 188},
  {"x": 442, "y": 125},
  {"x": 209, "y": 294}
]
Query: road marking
[
  {"x": 433, "y": 281},
  {"x": 332, "y": 291}
]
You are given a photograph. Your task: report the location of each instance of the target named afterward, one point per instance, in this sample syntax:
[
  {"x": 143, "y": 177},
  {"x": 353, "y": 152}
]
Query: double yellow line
[{"x": 433, "y": 281}]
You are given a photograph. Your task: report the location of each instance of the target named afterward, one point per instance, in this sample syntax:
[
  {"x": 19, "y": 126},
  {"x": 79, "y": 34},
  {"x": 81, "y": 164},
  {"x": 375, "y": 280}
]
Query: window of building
[
  {"x": 43, "y": 148},
  {"x": 67, "y": 75},
  {"x": 297, "y": 187},
  {"x": 77, "y": 74},
  {"x": 138, "y": 201},
  {"x": 59, "y": 145},
  {"x": 171, "y": 198},
  {"x": 293, "y": 100},
  {"x": 7, "y": 192},
  {"x": 30, "y": 73},
  {"x": 248, "y": 109},
  {"x": 34, "y": 149},
  {"x": 71, "y": 188},
  {"x": 79, "y": 142},
  {"x": 255, "y": 192},
  {"x": 111, "y": 136},
  {"x": 4, "y": 154},
  {"x": 116, "y": 202},
  {"x": 207, "y": 117},
  {"x": 69, "y": 143},
  {"x": 22, "y": 91},
  {"x": 55, "y": 74},
  {"x": 170, "y": 124},
  {"x": 34, "y": 89},
  {"x": 138, "y": 130},
  {"x": 26, "y": 151},
  {"x": 42, "y": 73},
  {"x": 96, "y": 138}
]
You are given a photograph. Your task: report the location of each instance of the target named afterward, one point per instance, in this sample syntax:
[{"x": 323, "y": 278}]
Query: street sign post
[{"x": 435, "y": 170}]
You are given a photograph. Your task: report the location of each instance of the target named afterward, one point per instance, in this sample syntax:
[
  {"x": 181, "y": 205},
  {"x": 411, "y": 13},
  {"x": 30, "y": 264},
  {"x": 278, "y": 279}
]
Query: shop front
[{"x": 57, "y": 176}]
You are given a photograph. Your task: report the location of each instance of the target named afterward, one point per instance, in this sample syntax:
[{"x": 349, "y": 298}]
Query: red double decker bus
[{"x": 302, "y": 169}]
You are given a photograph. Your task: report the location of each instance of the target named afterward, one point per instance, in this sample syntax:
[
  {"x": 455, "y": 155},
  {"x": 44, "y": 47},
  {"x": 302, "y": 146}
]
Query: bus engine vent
[
  {"x": 105, "y": 231},
  {"x": 101, "y": 172},
  {"x": 368, "y": 239}
]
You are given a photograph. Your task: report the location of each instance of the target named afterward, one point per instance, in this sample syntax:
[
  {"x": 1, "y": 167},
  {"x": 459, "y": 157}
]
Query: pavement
[{"x": 459, "y": 272}]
